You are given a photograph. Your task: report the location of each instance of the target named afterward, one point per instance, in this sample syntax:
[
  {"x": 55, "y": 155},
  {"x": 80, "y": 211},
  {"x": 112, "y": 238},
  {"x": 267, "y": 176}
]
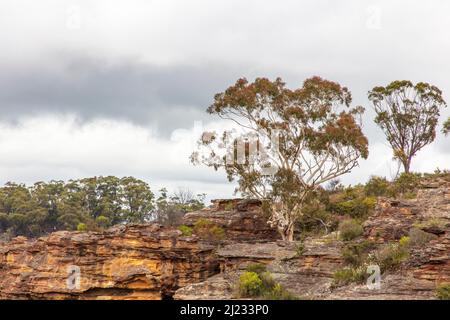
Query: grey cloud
[{"x": 168, "y": 97}]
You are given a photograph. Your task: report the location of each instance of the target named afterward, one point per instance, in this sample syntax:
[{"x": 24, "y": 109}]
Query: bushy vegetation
[
  {"x": 86, "y": 204},
  {"x": 186, "y": 230},
  {"x": 359, "y": 255},
  {"x": 349, "y": 275},
  {"x": 356, "y": 253},
  {"x": 257, "y": 282},
  {"x": 418, "y": 237},
  {"x": 443, "y": 291},
  {"x": 350, "y": 229},
  {"x": 391, "y": 255},
  {"x": 208, "y": 230}
]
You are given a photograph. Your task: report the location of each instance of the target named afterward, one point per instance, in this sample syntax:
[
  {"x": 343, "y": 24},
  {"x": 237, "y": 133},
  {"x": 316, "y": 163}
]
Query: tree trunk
[{"x": 407, "y": 165}]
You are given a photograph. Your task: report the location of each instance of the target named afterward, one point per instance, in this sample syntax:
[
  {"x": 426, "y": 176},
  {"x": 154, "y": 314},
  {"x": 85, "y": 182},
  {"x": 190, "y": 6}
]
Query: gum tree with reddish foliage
[{"x": 319, "y": 139}]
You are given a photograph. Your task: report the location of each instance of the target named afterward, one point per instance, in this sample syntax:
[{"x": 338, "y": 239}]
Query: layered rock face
[
  {"x": 152, "y": 262},
  {"x": 307, "y": 272},
  {"x": 430, "y": 212},
  {"x": 241, "y": 219},
  {"x": 132, "y": 262}
]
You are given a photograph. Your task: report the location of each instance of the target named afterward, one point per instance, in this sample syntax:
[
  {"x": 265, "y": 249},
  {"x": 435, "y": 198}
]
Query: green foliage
[
  {"x": 352, "y": 202},
  {"x": 185, "y": 230},
  {"x": 418, "y": 237},
  {"x": 97, "y": 202},
  {"x": 277, "y": 292},
  {"x": 81, "y": 227},
  {"x": 392, "y": 255},
  {"x": 208, "y": 230},
  {"x": 408, "y": 114},
  {"x": 443, "y": 291},
  {"x": 250, "y": 285},
  {"x": 170, "y": 209},
  {"x": 261, "y": 285},
  {"x": 355, "y": 254},
  {"x": 256, "y": 267},
  {"x": 349, "y": 275},
  {"x": 350, "y": 229},
  {"x": 102, "y": 221},
  {"x": 435, "y": 224},
  {"x": 315, "y": 121},
  {"x": 407, "y": 183},
  {"x": 377, "y": 187}
]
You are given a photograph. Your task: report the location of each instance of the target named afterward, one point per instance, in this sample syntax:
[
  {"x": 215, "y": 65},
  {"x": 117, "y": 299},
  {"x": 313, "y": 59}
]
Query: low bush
[
  {"x": 81, "y": 227},
  {"x": 349, "y": 275},
  {"x": 392, "y": 255},
  {"x": 208, "y": 230},
  {"x": 355, "y": 254},
  {"x": 185, "y": 230},
  {"x": 250, "y": 285},
  {"x": 443, "y": 291},
  {"x": 418, "y": 237},
  {"x": 261, "y": 284},
  {"x": 102, "y": 222},
  {"x": 257, "y": 268},
  {"x": 406, "y": 183},
  {"x": 350, "y": 229},
  {"x": 378, "y": 187}
]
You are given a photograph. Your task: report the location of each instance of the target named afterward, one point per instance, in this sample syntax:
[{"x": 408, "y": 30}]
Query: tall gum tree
[
  {"x": 408, "y": 115},
  {"x": 318, "y": 138}
]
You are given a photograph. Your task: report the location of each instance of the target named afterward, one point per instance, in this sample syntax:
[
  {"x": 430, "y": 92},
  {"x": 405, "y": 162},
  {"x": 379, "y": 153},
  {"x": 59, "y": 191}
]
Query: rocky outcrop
[
  {"x": 305, "y": 269},
  {"x": 132, "y": 262},
  {"x": 242, "y": 219},
  {"x": 152, "y": 262}
]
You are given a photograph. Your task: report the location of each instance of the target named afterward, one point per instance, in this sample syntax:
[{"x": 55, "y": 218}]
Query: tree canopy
[
  {"x": 85, "y": 204},
  {"x": 289, "y": 141},
  {"x": 408, "y": 114}
]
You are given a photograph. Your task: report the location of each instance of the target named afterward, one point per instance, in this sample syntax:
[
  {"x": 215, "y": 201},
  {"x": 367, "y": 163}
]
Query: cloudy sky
[{"x": 120, "y": 87}]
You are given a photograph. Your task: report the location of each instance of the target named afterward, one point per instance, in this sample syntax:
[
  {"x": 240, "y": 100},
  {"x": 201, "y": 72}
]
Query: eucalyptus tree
[
  {"x": 408, "y": 114},
  {"x": 285, "y": 142}
]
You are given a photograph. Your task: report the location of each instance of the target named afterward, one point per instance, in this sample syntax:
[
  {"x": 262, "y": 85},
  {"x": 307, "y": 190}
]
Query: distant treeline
[{"x": 88, "y": 204}]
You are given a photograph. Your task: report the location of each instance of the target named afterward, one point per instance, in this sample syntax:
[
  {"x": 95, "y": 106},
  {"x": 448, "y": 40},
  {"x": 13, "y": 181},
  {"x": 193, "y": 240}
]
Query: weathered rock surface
[
  {"x": 307, "y": 271},
  {"x": 151, "y": 262},
  {"x": 133, "y": 262},
  {"x": 241, "y": 219}
]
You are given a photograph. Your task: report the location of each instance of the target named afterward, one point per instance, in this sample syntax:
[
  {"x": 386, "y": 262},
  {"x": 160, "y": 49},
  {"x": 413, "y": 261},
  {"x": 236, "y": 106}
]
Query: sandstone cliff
[{"x": 152, "y": 262}]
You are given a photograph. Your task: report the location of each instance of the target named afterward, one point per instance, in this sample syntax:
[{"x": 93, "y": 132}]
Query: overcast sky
[{"x": 105, "y": 87}]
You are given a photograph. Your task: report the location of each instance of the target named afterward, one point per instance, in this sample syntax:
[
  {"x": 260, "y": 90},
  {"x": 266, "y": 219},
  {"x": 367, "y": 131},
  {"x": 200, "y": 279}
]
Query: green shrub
[
  {"x": 407, "y": 182},
  {"x": 350, "y": 229},
  {"x": 377, "y": 187},
  {"x": 208, "y": 230},
  {"x": 348, "y": 275},
  {"x": 185, "y": 230},
  {"x": 436, "y": 224},
  {"x": 250, "y": 285},
  {"x": 278, "y": 293},
  {"x": 443, "y": 291},
  {"x": 359, "y": 207},
  {"x": 355, "y": 254},
  {"x": 267, "y": 280},
  {"x": 418, "y": 237},
  {"x": 102, "y": 221},
  {"x": 392, "y": 255},
  {"x": 257, "y": 268},
  {"x": 81, "y": 227}
]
